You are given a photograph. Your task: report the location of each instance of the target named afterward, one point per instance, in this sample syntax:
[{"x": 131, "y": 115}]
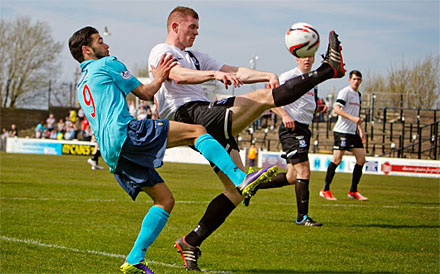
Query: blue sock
[
  {"x": 216, "y": 154},
  {"x": 152, "y": 225}
]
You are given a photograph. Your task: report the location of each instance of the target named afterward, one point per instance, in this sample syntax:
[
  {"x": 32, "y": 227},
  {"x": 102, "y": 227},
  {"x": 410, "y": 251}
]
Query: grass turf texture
[{"x": 59, "y": 216}]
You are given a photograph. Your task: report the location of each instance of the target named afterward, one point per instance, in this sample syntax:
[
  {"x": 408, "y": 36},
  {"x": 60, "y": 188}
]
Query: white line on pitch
[
  {"x": 32, "y": 242},
  {"x": 206, "y": 202}
]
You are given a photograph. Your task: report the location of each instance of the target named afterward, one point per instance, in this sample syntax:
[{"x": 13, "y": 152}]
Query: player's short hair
[
  {"x": 180, "y": 11},
  {"x": 81, "y": 38},
  {"x": 355, "y": 72}
]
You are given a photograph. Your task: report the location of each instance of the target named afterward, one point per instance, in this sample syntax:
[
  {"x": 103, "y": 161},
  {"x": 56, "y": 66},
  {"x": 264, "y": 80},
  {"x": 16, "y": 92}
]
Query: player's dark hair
[
  {"x": 180, "y": 10},
  {"x": 82, "y": 37},
  {"x": 355, "y": 72}
]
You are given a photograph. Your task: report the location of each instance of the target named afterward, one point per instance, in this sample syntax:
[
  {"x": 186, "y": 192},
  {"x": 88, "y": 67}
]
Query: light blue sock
[
  {"x": 216, "y": 154},
  {"x": 152, "y": 225}
]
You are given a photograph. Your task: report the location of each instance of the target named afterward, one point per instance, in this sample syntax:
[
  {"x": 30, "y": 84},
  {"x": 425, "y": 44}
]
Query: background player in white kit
[
  {"x": 349, "y": 135},
  {"x": 295, "y": 136}
]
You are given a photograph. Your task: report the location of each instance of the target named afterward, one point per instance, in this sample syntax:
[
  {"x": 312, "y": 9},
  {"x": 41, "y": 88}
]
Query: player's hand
[
  {"x": 274, "y": 82},
  {"x": 288, "y": 122},
  {"x": 228, "y": 79},
  {"x": 362, "y": 135},
  {"x": 166, "y": 63}
]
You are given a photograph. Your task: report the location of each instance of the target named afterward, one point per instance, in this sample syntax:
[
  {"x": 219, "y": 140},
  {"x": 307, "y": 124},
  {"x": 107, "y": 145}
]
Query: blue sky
[{"x": 376, "y": 35}]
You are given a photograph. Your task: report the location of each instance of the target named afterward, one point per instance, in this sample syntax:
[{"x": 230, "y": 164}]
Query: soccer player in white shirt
[
  {"x": 294, "y": 135},
  {"x": 349, "y": 135},
  {"x": 182, "y": 98}
]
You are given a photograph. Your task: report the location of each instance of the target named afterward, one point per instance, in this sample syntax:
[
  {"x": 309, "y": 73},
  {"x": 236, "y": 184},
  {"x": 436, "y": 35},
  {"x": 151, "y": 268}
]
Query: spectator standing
[
  {"x": 50, "y": 121},
  {"x": 252, "y": 155},
  {"x": 14, "y": 131},
  {"x": 72, "y": 116},
  {"x": 5, "y": 135},
  {"x": 81, "y": 115}
]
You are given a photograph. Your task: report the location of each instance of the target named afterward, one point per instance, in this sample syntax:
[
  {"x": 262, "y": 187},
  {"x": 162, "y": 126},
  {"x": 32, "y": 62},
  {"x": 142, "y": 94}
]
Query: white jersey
[
  {"x": 303, "y": 109},
  {"x": 172, "y": 95},
  {"x": 350, "y": 102}
]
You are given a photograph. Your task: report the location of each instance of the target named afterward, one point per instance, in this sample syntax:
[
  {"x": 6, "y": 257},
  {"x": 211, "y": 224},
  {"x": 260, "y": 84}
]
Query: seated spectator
[
  {"x": 60, "y": 135},
  {"x": 142, "y": 113},
  {"x": 71, "y": 132},
  {"x": 60, "y": 125},
  {"x": 132, "y": 109},
  {"x": 53, "y": 134},
  {"x": 39, "y": 129},
  {"x": 67, "y": 122},
  {"x": 87, "y": 134},
  {"x": 5, "y": 133}
]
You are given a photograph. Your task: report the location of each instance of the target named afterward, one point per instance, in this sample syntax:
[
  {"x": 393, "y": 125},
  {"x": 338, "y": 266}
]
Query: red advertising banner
[{"x": 387, "y": 168}]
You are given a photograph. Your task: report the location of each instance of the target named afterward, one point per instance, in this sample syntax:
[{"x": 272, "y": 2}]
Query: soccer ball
[{"x": 302, "y": 40}]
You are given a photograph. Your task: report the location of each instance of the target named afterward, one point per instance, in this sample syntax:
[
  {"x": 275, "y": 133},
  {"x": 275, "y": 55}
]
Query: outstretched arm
[
  {"x": 183, "y": 75},
  {"x": 161, "y": 73},
  {"x": 250, "y": 76}
]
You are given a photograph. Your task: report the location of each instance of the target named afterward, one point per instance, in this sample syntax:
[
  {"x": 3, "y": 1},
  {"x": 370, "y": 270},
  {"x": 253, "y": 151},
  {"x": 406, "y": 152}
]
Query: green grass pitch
[{"x": 59, "y": 216}]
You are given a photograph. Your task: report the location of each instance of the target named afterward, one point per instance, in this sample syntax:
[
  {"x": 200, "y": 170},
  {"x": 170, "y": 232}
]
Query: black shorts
[
  {"x": 295, "y": 143},
  {"x": 346, "y": 141},
  {"x": 214, "y": 116}
]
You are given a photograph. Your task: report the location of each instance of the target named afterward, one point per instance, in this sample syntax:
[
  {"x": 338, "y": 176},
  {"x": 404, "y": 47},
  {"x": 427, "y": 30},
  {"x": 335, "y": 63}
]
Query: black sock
[
  {"x": 96, "y": 156},
  {"x": 215, "y": 215},
  {"x": 329, "y": 176},
  {"x": 302, "y": 197},
  {"x": 296, "y": 87},
  {"x": 357, "y": 173},
  {"x": 278, "y": 180}
]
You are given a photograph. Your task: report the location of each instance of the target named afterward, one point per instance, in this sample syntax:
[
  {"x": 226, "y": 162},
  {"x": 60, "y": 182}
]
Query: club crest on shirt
[{"x": 126, "y": 74}]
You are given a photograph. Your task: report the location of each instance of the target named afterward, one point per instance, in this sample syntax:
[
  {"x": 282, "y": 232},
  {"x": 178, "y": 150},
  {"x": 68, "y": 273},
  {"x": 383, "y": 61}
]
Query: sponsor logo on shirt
[{"x": 126, "y": 74}]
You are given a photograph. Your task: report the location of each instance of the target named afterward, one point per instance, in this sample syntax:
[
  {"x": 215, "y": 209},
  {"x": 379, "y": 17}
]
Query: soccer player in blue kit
[{"x": 134, "y": 148}]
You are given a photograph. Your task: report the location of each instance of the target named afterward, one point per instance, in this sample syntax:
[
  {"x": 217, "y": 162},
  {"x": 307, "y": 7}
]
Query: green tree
[
  {"x": 28, "y": 56},
  {"x": 415, "y": 86}
]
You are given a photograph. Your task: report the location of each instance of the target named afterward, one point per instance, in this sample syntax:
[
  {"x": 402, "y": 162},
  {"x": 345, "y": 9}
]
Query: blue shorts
[{"x": 143, "y": 151}]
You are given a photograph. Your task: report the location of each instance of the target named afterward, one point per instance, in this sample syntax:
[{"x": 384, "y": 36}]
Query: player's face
[
  {"x": 305, "y": 63},
  {"x": 99, "y": 48},
  {"x": 187, "y": 31},
  {"x": 355, "y": 81}
]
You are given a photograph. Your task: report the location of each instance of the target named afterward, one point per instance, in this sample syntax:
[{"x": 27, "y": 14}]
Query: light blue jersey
[{"x": 102, "y": 93}]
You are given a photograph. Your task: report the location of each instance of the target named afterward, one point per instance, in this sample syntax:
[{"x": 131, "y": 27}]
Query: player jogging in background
[
  {"x": 182, "y": 98},
  {"x": 133, "y": 149},
  {"x": 349, "y": 135}
]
